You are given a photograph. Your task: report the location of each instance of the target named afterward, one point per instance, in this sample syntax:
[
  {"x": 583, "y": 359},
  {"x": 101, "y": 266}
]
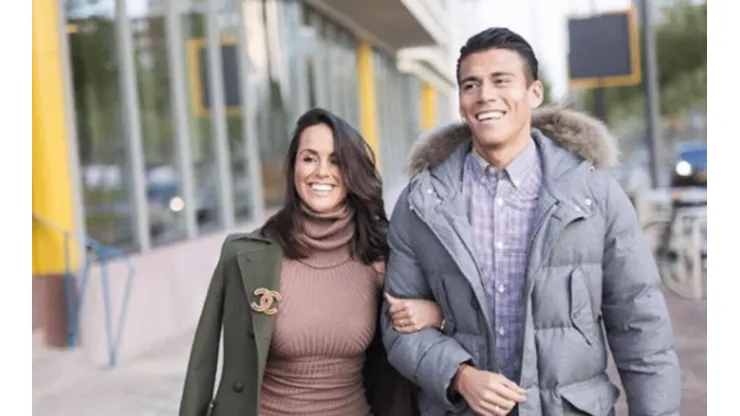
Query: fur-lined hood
[{"x": 576, "y": 132}]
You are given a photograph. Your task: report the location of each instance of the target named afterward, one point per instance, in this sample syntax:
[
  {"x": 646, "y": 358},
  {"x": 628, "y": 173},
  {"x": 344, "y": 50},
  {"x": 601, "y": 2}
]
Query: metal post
[
  {"x": 600, "y": 103},
  {"x": 132, "y": 125},
  {"x": 71, "y": 126},
  {"x": 697, "y": 277},
  {"x": 652, "y": 94},
  {"x": 218, "y": 116},
  {"x": 71, "y": 303},
  {"x": 254, "y": 161},
  {"x": 599, "y": 93},
  {"x": 178, "y": 97}
]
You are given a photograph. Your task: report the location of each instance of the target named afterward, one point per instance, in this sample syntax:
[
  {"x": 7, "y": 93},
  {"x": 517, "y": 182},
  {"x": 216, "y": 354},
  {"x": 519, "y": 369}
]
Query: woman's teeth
[{"x": 322, "y": 188}]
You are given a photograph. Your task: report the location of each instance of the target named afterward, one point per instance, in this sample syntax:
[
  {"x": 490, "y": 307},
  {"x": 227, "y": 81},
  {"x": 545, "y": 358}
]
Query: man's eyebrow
[{"x": 469, "y": 78}]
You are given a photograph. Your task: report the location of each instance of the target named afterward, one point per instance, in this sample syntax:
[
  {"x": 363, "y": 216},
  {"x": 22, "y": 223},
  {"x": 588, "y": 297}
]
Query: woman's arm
[{"x": 412, "y": 315}]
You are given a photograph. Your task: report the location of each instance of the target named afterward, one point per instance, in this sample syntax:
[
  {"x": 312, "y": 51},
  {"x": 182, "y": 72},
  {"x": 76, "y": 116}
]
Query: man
[{"x": 515, "y": 226}]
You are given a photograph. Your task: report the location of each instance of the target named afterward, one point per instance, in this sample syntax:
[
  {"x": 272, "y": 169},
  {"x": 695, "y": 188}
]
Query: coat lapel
[
  {"x": 445, "y": 216},
  {"x": 260, "y": 266}
]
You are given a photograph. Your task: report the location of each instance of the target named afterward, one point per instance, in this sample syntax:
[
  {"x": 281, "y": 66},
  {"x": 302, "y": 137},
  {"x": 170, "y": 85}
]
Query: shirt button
[
  {"x": 500, "y": 288},
  {"x": 500, "y": 201},
  {"x": 588, "y": 201},
  {"x": 499, "y": 245},
  {"x": 501, "y": 332}
]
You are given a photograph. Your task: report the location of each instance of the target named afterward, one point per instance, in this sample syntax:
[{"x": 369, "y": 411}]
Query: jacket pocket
[
  {"x": 581, "y": 314},
  {"x": 595, "y": 397}
]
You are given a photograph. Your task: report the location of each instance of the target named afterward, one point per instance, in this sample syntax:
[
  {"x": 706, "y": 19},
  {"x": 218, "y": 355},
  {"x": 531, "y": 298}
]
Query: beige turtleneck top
[{"x": 324, "y": 324}]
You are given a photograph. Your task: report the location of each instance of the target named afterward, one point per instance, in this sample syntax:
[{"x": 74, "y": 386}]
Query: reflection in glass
[
  {"x": 102, "y": 142},
  {"x": 164, "y": 194},
  {"x": 202, "y": 141},
  {"x": 271, "y": 111},
  {"x": 395, "y": 109},
  {"x": 349, "y": 76},
  {"x": 443, "y": 108}
]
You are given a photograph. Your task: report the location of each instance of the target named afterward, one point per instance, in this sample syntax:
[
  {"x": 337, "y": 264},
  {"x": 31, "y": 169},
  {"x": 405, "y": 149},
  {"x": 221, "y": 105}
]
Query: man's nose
[{"x": 487, "y": 93}]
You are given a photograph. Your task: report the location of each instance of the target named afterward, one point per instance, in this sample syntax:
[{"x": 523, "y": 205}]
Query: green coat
[{"x": 249, "y": 262}]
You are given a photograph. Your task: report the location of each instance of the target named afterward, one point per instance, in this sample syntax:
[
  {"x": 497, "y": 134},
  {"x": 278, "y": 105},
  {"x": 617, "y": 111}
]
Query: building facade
[{"x": 160, "y": 126}]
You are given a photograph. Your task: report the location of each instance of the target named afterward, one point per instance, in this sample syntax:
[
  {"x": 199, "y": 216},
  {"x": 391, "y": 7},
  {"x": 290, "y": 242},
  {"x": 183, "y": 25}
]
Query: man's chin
[{"x": 489, "y": 138}]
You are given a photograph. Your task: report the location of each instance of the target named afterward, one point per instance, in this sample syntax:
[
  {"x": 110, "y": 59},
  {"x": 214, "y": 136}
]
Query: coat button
[{"x": 238, "y": 387}]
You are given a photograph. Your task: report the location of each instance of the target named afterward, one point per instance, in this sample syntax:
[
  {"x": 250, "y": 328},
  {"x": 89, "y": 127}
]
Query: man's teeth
[
  {"x": 490, "y": 115},
  {"x": 322, "y": 188}
]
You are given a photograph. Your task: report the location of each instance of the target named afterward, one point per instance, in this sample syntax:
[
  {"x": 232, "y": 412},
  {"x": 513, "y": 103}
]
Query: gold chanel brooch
[{"x": 267, "y": 298}]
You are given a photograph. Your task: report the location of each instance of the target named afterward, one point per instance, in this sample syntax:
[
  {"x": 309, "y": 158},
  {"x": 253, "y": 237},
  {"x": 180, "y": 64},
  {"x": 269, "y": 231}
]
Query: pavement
[{"x": 151, "y": 385}]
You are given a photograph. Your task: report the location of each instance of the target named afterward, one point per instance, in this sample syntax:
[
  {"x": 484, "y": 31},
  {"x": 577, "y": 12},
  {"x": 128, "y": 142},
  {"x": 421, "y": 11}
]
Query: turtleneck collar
[{"x": 327, "y": 236}]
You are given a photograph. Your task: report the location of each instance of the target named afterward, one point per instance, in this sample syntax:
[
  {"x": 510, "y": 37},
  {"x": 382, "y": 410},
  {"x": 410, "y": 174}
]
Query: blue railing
[{"x": 102, "y": 255}]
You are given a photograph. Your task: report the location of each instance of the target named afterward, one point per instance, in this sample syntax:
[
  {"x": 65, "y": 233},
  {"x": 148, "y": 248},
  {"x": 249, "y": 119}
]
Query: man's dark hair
[{"x": 500, "y": 38}]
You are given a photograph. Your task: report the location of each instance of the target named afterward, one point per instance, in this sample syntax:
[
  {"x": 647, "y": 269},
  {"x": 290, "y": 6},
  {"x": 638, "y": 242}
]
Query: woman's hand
[{"x": 412, "y": 315}]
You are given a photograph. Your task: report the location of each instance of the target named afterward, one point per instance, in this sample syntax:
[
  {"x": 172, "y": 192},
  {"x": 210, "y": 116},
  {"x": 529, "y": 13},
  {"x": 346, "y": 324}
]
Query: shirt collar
[{"x": 516, "y": 170}]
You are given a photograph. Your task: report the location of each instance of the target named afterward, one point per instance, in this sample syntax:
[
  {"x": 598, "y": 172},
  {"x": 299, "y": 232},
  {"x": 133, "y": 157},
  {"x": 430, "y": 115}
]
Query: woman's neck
[{"x": 326, "y": 236}]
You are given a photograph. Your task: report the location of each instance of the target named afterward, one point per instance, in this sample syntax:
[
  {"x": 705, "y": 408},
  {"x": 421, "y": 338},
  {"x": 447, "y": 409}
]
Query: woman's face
[{"x": 318, "y": 179}]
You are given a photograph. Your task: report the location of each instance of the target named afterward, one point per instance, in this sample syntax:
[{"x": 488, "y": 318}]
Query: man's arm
[
  {"x": 428, "y": 358},
  {"x": 635, "y": 314}
]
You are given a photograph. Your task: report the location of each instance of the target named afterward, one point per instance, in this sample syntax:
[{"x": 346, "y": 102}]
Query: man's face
[{"x": 496, "y": 96}]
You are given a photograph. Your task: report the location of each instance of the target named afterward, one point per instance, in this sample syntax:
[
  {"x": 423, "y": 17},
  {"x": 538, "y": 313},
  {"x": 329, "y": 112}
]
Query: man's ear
[{"x": 536, "y": 94}]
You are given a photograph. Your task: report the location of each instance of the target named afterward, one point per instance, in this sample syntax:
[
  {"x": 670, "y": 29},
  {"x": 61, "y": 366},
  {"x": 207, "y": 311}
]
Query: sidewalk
[{"x": 151, "y": 386}]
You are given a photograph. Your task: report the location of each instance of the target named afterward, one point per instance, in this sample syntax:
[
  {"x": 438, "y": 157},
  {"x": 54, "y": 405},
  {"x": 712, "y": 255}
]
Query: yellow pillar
[
  {"x": 368, "y": 103},
  {"x": 428, "y": 107},
  {"x": 51, "y": 189}
]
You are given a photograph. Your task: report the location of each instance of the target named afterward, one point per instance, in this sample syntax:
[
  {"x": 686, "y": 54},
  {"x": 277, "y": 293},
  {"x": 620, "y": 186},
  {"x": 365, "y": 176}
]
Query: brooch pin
[{"x": 267, "y": 298}]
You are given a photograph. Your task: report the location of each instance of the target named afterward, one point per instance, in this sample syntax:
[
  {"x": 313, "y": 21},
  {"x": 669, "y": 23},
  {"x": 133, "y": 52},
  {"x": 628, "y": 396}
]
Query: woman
[{"x": 299, "y": 299}]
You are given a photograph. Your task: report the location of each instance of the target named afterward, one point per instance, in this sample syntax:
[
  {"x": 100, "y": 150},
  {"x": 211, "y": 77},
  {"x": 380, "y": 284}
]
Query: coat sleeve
[
  {"x": 201, "y": 371},
  {"x": 635, "y": 314},
  {"x": 428, "y": 357}
]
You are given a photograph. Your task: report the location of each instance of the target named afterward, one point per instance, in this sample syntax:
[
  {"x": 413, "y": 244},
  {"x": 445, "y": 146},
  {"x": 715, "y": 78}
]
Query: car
[
  {"x": 691, "y": 166},
  {"x": 689, "y": 178}
]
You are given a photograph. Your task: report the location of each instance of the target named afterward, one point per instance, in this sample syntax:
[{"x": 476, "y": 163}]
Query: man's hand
[
  {"x": 411, "y": 315},
  {"x": 488, "y": 393}
]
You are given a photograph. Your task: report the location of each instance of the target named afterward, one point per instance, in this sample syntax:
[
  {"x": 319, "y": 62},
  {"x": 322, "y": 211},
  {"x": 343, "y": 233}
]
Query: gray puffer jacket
[{"x": 591, "y": 281}]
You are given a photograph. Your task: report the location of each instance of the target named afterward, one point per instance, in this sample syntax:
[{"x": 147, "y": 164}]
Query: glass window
[
  {"x": 271, "y": 109},
  {"x": 203, "y": 152},
  {"x": 294, "y": 30},
  {"x": 398, "y": 114},
  {"x": 412, "y": 100},
  {"x": 320, "y": 60},
  {"x": 348, "y": 80},
  {"x": 164, "y": 195},
  {"x": 333, "y": 57},
  {"x": 444, "y": 111},
  {"x": 102, "y": 140}
]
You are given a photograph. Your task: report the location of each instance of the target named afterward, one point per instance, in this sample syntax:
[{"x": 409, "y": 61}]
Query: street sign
[
  {"x": 198, "y": 69},
  {"x": 604, "y": 50}
]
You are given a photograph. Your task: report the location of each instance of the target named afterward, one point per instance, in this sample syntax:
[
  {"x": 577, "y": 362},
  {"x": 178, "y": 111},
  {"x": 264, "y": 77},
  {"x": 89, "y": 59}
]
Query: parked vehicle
[{"x": 691, "y": 166}]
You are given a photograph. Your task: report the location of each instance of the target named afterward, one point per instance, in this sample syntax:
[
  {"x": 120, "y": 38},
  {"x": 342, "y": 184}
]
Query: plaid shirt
[{"x": 501, "y": 209}]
